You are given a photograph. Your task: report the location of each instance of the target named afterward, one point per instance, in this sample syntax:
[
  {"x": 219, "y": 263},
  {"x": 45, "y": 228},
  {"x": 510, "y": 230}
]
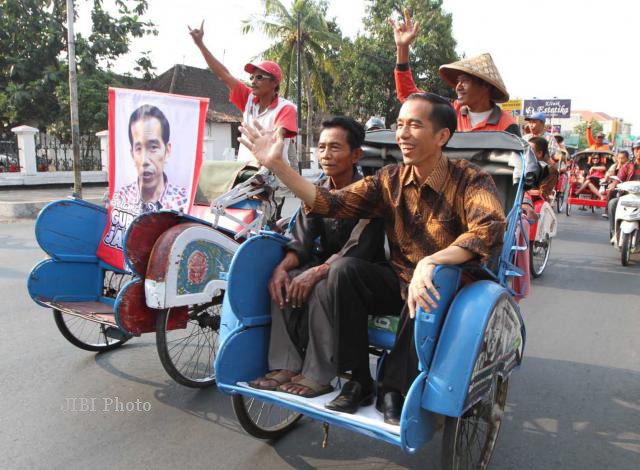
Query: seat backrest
[
  {"x": 500, "y": 165},
  {"x": 216, "y": 178}
]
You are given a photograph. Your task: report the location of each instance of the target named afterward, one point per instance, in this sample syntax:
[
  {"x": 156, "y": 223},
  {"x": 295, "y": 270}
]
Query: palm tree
[{"x": 316, "y": 39}]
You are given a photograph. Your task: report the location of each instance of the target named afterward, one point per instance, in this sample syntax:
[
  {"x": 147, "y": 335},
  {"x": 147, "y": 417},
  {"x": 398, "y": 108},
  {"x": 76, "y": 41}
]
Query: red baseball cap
[{"x": 267, "y": 66}]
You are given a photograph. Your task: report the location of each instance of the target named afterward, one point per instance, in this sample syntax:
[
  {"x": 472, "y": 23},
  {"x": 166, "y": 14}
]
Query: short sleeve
[
  {"x": 287, "y": 118},
  {"x": 239, "y": 95}
]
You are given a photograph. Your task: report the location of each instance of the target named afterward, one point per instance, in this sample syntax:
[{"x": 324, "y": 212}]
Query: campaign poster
[{"x": 155, "y": 154}]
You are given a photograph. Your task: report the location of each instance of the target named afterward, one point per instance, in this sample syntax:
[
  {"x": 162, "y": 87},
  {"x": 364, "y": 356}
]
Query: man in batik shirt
[{"x": 436, "y": 211}]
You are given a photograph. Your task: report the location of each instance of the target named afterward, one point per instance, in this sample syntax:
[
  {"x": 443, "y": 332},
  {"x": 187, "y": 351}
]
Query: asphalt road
[{"x": 575, "y": 403}]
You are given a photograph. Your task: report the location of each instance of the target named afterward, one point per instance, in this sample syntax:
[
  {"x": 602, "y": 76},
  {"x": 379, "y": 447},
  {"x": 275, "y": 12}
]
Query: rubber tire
[
  {"x": 165, "y": 359},
  {"x": 240, "y": 409},
  {"x": 567, "y": 208},
  {"x": 625, "y": 252},
  {"x": 559, "y": 200},
  {"x": 534, "y": 273},
  {"x": 69, "y": 336}
]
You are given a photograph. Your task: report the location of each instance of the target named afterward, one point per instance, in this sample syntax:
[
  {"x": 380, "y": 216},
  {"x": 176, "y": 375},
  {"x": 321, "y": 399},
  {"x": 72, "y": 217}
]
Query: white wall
[{"x": 217, "y": 139}]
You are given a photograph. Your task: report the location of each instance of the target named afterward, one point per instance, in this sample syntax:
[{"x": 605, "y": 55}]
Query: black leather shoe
[
  {"x": 392, "y": 408},
  {"x": 351, "y": 397}
]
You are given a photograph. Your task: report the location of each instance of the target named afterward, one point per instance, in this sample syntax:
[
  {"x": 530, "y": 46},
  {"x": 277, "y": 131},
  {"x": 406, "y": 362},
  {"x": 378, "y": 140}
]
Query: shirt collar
[
  {"x": 326, "y": 181},
  {"x": 494, "y": 117},
  {"x": 148, "y": 206},
  {"x": 273, "y": 104},
  {"x": 436, "y": 178}
]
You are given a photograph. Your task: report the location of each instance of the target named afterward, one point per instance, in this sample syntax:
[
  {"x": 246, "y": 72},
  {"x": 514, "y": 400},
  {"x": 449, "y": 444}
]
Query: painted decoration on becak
[
  {"x": 155, "y": 154},
  {"x": 201, "y": 263}
]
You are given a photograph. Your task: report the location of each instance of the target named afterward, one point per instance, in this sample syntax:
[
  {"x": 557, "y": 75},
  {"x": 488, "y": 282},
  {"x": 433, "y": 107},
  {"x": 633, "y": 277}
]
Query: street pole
[
  {"x": 299, "y": 99},
  {"x": 73, "y": 95}
]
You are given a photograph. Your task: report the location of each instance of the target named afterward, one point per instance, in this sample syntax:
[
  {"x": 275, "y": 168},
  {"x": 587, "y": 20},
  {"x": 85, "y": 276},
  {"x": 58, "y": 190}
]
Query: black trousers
[
  {"x": 400, "y": 367},
  {"x": 355, "y": 289}
]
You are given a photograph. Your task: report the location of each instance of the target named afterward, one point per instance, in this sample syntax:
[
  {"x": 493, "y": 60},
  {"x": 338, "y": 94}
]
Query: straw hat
[{"x": 480, "y": 66}]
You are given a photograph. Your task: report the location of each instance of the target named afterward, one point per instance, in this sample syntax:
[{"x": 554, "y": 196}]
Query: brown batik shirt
[{"x": 456, "y": 205}]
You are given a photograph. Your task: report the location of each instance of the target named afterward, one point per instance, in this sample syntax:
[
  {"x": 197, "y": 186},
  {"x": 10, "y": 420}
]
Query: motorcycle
[{"x": 628, "y": 220}]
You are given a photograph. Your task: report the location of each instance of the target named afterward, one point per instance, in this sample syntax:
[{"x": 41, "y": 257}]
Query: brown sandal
[
  {"x": 314, "y": 388},
  {"x": 279, "y": 377}
]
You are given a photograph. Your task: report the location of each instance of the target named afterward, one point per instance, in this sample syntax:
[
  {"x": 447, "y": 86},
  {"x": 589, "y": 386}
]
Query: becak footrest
[{"x": 94, "y": 311}]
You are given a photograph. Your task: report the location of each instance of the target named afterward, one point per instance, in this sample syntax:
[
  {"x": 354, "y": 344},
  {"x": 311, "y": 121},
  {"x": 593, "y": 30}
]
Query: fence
[
  {"x": 54, "y": 155},
  {"x": 9, "y": 161}
]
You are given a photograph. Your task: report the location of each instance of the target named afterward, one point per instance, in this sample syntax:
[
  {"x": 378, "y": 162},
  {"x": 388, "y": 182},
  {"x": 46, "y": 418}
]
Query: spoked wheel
[
  {"x": 539, "y": 255},
  {"x": 468, "y": 441},
  {"x": 625, "y": 249},
  {"x": 187, "y": 341},
  {"x": 89, "y": 335},
  {"x": 261, "y": 419}
]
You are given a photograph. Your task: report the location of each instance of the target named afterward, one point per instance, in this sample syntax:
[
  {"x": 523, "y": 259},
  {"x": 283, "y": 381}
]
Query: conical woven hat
[{"x": 480, "y": 66}]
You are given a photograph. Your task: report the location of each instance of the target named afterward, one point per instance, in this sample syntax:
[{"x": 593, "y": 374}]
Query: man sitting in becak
[
  {"x": 311, "y": 338},
  {"x": 436, "y": 211},
  {"x": 477, "y": 82}
]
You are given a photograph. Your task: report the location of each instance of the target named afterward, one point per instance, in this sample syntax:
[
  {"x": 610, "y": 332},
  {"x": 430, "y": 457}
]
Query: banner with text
[
  {"x": 155, "y": 153},
  {"x": 554, "y": 108}
]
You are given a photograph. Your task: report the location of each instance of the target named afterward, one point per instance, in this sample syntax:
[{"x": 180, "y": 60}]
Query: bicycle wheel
[
  {"x": 89, "y": 335},
  {"x": 539, "y": 255},
  {"x": 468, "y": 442},
  {"x": 187, "y": 342},
  {"x": 261, "y": 419}
]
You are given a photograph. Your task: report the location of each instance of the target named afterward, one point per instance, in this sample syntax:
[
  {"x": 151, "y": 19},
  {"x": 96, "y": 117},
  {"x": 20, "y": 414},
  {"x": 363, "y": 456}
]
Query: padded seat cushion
[{"x": 216, "y": 178}]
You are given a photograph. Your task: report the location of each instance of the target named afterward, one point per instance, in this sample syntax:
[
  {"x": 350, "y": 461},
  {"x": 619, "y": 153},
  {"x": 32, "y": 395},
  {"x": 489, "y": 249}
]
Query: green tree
[
  {"x": 365, "y": 85},
  {"x": 317, "y": 40},
  {"x": 33, "y": 62}
]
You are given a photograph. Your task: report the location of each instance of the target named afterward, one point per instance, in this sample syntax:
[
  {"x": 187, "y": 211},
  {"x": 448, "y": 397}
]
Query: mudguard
[
  {"x": 70, "y": 230},
  {"x": 188, "y": 265},
  {"x": 460, "y": 341},
  {"x": 53, "y": 280},
  {"x": 628, "y": 226}
]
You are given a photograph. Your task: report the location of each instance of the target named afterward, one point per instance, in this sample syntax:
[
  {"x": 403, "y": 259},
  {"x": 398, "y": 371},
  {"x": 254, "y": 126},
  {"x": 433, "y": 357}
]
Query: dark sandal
[
  {"x": 313, "y": 387},
  {"x": 278, "y": 376}
]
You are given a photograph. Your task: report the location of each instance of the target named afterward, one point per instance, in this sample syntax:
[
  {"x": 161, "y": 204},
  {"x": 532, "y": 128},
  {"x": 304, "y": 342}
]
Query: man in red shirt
[
  {"x": 476, "y": 80},
  {"x": 259, "y": 102}
]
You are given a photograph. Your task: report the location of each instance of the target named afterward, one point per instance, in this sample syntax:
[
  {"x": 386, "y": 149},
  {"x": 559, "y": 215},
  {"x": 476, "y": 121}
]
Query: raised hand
[
  {"x": 404, "y": 32},
  {"x": 266, "y": 146},
  {"x": 197, "y": 33}
]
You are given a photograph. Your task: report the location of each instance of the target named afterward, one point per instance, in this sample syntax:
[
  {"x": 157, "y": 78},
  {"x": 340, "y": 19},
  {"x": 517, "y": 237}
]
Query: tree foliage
[
  {"x": 34, "y": 64},
  {"x": 365, "y": 85},
  {"x": 318, "y": 43}
]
